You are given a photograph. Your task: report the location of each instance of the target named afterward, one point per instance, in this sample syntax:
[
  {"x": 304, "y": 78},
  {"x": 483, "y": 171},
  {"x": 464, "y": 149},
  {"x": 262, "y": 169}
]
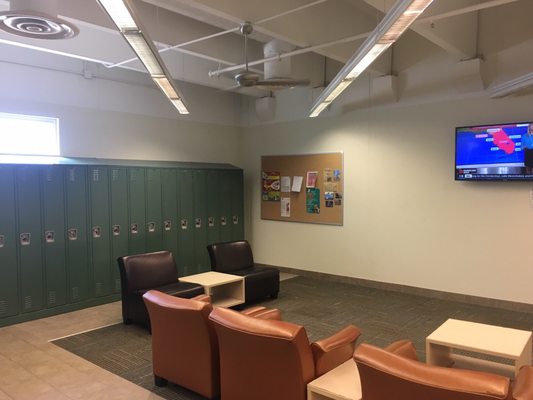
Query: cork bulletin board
[{"x": 320, "y": 198}]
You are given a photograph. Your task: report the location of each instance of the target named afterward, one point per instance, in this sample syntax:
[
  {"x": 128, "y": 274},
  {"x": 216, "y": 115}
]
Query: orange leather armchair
[
  {"x": 184, "y": 343},
  {"x": 265, "y": 360},
  {"x": 396, "y": 373}
]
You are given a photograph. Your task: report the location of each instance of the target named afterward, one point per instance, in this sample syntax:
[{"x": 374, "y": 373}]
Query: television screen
[{"x": 494, "y": 152}]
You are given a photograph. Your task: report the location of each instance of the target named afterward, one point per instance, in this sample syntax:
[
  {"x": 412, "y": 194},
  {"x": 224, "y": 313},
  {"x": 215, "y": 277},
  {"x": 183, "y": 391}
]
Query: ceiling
[{"x": 324, "y": 34}]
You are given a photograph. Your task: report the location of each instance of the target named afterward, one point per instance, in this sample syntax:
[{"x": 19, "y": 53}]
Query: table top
[
  {"x": 488, "y": 339},
  {"x": 211, "y": 278},
  {"x": 341, "y": 383}
]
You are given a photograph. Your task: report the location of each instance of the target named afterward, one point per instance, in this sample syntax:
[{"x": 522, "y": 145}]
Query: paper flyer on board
[
  {"x": 297, "y": 183},
  {"x": 285, "y": 184},
  {"x": 286, "y": 207}
]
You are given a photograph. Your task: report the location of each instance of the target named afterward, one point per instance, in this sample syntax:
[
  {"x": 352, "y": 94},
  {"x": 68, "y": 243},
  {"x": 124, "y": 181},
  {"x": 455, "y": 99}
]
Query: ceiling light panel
[
  {"x": 396, "y": 21},
  {"x": 119, "y": 13},
  {"x": 145, "y": 53}
]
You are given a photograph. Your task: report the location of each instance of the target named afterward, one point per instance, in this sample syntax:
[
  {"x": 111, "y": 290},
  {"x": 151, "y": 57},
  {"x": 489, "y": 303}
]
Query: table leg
[{"x": 437, "y": 354}]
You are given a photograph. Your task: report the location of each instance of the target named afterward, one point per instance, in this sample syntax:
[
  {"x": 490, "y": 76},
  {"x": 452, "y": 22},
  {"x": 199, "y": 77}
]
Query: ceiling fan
[{"x": 248, "y": 78}]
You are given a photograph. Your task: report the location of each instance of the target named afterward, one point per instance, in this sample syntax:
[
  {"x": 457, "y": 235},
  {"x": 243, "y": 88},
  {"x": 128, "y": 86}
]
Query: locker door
[
  {"x": 186, "y": 224},
  {"x": 53, "y": 183},
  {"x": 154, "y": 238},
  {"x": 201, "y": 258},
  {"x": 8, "y": 248},
  {"x": 224, "y": 189},
  {"x": 169, "y": 208},
  {"x": 77, "y": 227},
  {"x": 213, "y": 207},
  {"x": 100, "y": 229},
  {"x": 30, "y": 238},
  {"x": 137, "y": 217},
  {"x": 237, "y": 205},
  {"x": 119, "y": 220}
]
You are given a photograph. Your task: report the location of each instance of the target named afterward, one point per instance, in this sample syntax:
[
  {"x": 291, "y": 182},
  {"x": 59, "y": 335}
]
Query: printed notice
[
  {"x": 286, "y": 207},
  {"x": 297, "y": 183},
  {"x": 285, "y": 184}
]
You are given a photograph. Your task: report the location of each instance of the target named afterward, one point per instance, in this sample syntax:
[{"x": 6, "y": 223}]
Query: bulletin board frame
[{"x": 330, "y": 179}]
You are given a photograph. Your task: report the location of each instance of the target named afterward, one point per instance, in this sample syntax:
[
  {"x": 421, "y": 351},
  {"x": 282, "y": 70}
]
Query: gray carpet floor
[{"x": 322, "y": 307}]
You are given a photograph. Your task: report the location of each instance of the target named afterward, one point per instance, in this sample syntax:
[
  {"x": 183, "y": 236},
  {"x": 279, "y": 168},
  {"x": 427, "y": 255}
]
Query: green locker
[
  {"x": 213, "y": 209},
  {"x": 237, "y": 205},
  {"x": 100, "y": 231},
  {"x": 77, "y": 228},
  {"x": 201, "y": 258},
  {"x": 186, "y": 228},
  {"x": 137, "y": 211},
  {"x": 169, "y": 210},
  {"x": 9, "y": 303},
  {"x": 154, "y": 237},
  {"x": 119, "y": 220},
  {"x": 224, "y": 188},
  {"x": 53, "y": 206},
  {"x": 30, "y": 239}
]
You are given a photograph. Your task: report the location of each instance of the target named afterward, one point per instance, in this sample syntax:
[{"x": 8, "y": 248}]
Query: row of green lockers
[{"x": 62, "y": 228}]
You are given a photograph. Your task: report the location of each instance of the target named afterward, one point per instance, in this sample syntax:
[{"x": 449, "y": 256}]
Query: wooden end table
[
  {"x": 226, "y": 290},
  {"x": 341, "y": 383}
]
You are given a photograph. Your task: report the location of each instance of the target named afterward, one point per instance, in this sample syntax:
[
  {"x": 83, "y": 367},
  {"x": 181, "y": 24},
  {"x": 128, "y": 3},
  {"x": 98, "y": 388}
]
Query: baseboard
[{"x": 435, "y": 294}]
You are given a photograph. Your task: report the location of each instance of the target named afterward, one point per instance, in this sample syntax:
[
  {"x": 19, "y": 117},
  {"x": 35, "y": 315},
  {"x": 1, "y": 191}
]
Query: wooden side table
[
  {"x": 341, "y": 383},
  {"x": 226, "y": 290}
]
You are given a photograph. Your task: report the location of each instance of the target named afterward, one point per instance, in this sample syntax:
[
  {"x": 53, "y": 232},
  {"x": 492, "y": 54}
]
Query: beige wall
[{"x": 406, "y": 220}]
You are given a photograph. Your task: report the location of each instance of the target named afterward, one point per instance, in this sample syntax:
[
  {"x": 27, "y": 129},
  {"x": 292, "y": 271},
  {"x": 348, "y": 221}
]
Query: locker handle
[
  {"x": 2, "y": 240},
  {"x": 25, "y": 239},
  {"x": 151, "y": 227},
  {"x": 50, "y": 236},
  {"x": 168, "y": 225}
]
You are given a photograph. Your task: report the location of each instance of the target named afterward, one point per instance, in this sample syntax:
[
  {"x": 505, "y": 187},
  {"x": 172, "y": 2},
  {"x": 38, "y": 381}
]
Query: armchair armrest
[
  {"x": 334, "y": 350},
  {"x": 203, "y": 297},
  {"x": 523, "y": 384},
  {"x": 403, "y": 348},
  {"x": 263, "y": 312}
]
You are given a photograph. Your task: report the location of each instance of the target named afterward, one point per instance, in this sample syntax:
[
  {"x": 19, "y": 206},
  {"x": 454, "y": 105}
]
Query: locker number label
[
  {"x": 211, "y": 222},
  {"x": 198, "y": 222},
  {"x": 2, "y": 241},
  {"x": 116, "y": 230},
  {"x": 25, "y": 239},
  {"x": 168, "y": 225},
  {"x": 72, "y": 234},
  {"x": 134, "y": 229},
  {"x": 50, "y": 236},
  {"x": 151, "y": 227}
]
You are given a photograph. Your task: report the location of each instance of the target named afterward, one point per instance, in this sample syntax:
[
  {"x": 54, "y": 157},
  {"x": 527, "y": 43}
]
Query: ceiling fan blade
[{"x": 281, "y": 83}]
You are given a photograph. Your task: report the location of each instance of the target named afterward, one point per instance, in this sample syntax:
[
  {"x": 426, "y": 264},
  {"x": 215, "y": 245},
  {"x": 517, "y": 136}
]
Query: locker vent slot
[
  {"x": 52, "y": 297},
  {"x": 114, "y": 175},
  {"x": 3, "y": 307},
  {"x": 71, "y": 175},
  {"x": 75, "y": 292},
  {"x": 27, "y": 302},
  {"x": 96, "y": 175},
  {"x": 99, "y": 288},
  {"x": 117, "y": 284}
]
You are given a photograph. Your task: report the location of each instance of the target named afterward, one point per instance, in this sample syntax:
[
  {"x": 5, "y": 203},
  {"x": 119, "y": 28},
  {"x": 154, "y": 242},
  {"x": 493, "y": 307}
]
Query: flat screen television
[{"x": 501, "y": 152}]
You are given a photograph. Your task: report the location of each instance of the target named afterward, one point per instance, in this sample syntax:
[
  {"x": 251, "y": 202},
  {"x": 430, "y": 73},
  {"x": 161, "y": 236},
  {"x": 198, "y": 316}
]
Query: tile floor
[{"x": 31, "y": 368}]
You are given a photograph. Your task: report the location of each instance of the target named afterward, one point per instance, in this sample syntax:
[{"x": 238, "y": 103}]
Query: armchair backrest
[
  {"x": 385, "y": 375},
  {"x": 148, "y": 270},
  {"x": 230, "y": 256},
  {"x": 184, "y": 343},
  {"x": 262, "y": 359}
]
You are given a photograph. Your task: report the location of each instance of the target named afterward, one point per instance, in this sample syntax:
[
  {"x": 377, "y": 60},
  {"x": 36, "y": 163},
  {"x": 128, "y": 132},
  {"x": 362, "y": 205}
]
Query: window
[{"x": 29, "y": 135}]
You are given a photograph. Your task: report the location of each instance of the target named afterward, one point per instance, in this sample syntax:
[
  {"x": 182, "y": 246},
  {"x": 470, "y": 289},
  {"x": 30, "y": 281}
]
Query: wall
[
  {"x": 406, "y": 220},
  {"x": 119, "y": 114}
]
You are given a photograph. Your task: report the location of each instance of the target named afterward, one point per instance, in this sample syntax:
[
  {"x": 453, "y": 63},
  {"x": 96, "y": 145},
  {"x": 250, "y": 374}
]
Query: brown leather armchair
[
  {"x": 184, "y": 343},
  {"x": 142, "y": 272},
  {"x": 396, "y": 373},
  {"x": 264, "y": 360}
]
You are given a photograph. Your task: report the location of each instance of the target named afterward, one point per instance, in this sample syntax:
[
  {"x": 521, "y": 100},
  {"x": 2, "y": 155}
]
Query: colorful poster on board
[
  {"x": 271, "y": 185},
  {"x": 311, "y": 179},
  {"x": 312, "y": 201}
]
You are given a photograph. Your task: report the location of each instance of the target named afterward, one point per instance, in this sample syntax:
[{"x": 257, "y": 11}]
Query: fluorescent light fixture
[
  {"x": 397, "y": 20},
  {"x": 123, "y": 15},
  {"x": 511, "y": 87}
]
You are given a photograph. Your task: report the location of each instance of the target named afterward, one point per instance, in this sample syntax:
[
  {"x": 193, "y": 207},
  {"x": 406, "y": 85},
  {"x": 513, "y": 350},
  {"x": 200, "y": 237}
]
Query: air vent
[
  {"x": 3, "y": 307},
  {"x": 36, "y": 25},
  {"x": 27, "y": 302},
  {"x": 52, "y": 297}
]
